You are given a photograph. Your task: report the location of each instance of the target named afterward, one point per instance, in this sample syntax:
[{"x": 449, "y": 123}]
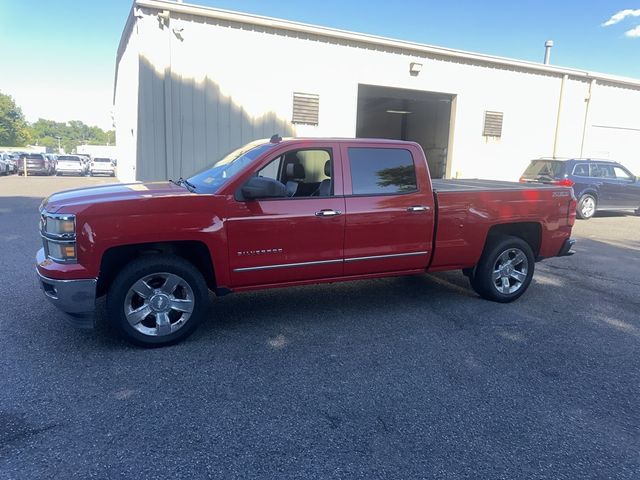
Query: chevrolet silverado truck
[{"x": 278, "y": 213}]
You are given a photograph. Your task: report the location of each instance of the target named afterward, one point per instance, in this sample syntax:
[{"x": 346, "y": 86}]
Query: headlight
[
  {"x": 60, "y": 226},
  {"x": 59, "y": 236},
  {"x": 65, "y": 252}
]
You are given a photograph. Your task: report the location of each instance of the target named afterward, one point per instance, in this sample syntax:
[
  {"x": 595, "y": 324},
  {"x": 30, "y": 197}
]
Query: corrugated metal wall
[{"x": 187, "y": 123}]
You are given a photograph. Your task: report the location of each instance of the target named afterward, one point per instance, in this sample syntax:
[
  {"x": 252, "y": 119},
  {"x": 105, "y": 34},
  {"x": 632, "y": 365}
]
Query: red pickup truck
[{"x": 288, "y": 212}]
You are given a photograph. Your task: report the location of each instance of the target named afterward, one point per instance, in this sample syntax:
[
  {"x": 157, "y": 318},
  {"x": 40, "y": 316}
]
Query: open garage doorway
[{"x": 416, "y": 115}]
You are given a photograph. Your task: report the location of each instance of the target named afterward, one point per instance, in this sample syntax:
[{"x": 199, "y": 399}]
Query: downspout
[
  {"x": 586, "y": 115},
  {"x": 164, "y": 18},
  {"x": 558, "y": 118}
]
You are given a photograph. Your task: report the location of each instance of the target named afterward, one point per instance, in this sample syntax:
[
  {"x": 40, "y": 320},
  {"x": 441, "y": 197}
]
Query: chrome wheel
[
  {"x": 510, "y": 271},
  {"x": 588, "y": 207},
  {"x": 159, "y": 304}
]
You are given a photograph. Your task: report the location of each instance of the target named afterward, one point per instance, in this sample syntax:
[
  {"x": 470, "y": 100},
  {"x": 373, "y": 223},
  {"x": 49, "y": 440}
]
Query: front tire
[
  {"x": 587, "y": 207},
  {"x": 157, "y": 300},
  {"x": 505, "y": 269}
]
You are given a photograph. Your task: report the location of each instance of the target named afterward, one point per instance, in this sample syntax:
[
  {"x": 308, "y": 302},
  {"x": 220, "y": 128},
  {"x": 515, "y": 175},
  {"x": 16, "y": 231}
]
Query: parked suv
[
  {"x": 37, "y": 163},
  {"x": 5, "y": 166},
  {"x": 70, "y": 164},
  {"x": 10, "y": 161},
  {"x": 102, "y": 166},
  {"x": 597, "y": 184}
]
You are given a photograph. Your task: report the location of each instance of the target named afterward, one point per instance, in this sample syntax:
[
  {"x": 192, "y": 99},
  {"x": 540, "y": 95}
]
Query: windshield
[
  {"x": 105, "y": 160},
  {"x": 68, "y": 158},
  {"x": 213, "y": 177},
  {"x": 544, "y": 170}
]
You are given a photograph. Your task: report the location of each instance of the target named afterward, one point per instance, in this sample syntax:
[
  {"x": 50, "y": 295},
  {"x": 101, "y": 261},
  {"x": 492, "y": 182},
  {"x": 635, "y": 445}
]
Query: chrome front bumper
[{"x": 75, "y": 297}]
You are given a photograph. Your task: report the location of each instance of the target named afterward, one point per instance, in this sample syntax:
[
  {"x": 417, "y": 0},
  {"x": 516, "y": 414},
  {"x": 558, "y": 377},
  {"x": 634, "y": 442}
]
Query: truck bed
[
  {"x": 473, "y": 185},
  {"x": 468, "y": 208}
]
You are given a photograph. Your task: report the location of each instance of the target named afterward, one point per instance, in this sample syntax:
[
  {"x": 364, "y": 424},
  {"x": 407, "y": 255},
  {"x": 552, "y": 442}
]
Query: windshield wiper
[{"x": 181, "y": 182}]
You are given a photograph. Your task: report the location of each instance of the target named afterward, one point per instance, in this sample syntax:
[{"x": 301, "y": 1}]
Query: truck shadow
[{"x": 440, "y": 303}]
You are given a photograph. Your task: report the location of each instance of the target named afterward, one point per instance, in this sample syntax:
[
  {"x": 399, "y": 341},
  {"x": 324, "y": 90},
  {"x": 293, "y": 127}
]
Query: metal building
[{"x": 193, "y": 83}]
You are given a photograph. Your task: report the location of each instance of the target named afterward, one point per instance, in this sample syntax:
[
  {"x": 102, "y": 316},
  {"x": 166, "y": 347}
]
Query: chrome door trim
[
  {"x": 286, "y": 265},
  {"x": 380, "y": 257},
  {"x": 325, "y": 262}
]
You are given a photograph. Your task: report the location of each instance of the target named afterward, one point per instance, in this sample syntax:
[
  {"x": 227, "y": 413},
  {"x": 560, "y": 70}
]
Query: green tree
[
  {"x": 14, "y": 131},
  {"x": 404, "y": 178},
  {"x": 71, "y": 134}
]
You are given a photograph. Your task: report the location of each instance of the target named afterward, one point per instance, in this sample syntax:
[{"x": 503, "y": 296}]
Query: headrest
[
  {"x": 327, "y": 168},
  {"x": 295, "y": 170}
]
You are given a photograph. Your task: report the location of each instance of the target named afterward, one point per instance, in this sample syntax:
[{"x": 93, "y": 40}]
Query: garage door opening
[{"x": 401, "y": 114}]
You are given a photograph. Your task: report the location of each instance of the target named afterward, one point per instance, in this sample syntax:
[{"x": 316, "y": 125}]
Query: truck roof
[{"x": 389, "y": 141}]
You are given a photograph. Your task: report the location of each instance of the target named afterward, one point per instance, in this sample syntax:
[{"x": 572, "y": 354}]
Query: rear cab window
[{"x": 381, "y": 171}]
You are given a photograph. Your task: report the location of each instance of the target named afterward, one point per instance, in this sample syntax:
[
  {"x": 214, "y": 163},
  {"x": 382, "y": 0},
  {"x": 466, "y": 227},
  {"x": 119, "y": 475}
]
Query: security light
[{"x": 415, "y": 68}]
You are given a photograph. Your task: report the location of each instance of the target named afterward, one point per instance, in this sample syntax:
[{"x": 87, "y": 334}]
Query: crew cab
[{"x": 287, "y": 212}]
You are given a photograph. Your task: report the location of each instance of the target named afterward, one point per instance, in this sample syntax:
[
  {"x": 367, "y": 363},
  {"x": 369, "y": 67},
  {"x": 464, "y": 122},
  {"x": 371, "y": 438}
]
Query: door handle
[
  {"x": 418, "y": 208},
  {"x": 328, "y": 213}
]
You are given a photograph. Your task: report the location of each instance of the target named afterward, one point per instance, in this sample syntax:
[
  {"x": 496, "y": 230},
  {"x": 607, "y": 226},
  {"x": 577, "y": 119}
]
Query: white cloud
[
  {"x": 633, "y": 33},
  {"x": 621, "y": 15}
]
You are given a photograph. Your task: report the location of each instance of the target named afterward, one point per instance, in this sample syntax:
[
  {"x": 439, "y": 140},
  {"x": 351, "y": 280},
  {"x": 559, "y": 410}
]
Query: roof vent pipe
[{"x": 547, "y": 51}]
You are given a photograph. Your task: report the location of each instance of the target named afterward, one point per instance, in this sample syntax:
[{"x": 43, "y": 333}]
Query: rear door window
[
  {"x": 604, "y": 171},
  {"x": 382, "y": 171}
]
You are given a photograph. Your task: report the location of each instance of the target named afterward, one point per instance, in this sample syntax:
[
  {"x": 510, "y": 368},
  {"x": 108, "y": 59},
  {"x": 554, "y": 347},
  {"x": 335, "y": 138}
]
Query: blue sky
[{"x": 58, "y": 57}]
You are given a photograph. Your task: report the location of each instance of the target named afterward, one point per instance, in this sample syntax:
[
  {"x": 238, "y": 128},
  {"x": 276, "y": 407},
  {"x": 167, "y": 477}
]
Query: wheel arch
[
  {"x": 115, "y": 258},
  {"x": 530, "y": 232},
  {"x": 588, "y": 191}
]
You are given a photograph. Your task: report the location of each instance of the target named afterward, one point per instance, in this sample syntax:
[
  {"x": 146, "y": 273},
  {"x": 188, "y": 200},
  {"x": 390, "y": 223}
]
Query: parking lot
[{"x": 397, "y": 378}]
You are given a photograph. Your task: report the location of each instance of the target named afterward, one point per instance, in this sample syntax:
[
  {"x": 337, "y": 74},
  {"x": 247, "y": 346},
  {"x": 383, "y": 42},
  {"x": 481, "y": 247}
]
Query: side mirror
[{"x": 263, "y": 187}]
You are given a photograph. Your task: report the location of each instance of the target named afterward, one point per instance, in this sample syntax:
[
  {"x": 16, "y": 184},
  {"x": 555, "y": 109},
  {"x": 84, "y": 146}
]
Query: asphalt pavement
[{"x": 398, "y": 378}]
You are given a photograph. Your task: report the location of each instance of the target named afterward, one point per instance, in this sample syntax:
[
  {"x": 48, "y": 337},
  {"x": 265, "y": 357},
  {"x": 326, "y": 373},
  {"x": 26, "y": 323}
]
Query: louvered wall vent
[
  {"x": 305, "y": 108},
  {"x": 493, "y": 124}
]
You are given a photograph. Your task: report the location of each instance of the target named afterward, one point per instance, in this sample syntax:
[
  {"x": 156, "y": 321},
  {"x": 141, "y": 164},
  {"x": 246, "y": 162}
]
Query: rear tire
[
  {"x": 587, "y": 207},
  {"x": 505, "y": 269},
  {"x": 157, "y": 300}
]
